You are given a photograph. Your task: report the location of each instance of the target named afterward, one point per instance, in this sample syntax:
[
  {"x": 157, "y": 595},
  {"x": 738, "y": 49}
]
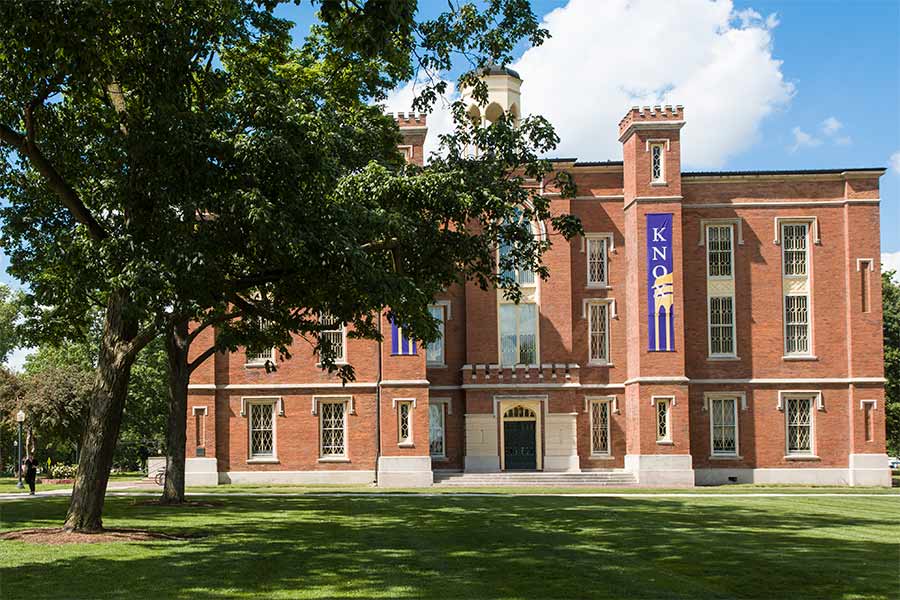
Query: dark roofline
[{"x": 780, "y": 172}]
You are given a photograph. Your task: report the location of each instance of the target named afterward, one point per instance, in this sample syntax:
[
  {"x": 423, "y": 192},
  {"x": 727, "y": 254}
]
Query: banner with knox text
[{"x": 660, "y": 284}]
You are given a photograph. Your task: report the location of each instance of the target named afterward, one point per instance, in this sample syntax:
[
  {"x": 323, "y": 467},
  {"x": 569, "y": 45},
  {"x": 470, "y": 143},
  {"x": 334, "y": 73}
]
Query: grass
[
  {"x": 469, "y": 547},
  {"x": 8, "y": 484}
]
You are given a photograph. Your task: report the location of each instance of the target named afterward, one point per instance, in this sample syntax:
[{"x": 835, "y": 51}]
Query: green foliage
[
  {"x": 9, "y": 313},
  {"x": 62, "y": 471},
  {"x": 891, "y": 304},
  {"x": 144, "y": 423}
]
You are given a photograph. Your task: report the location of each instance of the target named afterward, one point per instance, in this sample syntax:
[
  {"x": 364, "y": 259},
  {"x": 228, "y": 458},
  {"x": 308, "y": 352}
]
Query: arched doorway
[{"x": 520, "y": 439}]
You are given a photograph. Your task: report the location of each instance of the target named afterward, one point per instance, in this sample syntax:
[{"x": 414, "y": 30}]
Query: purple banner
[{"x": 660, "y": 284}]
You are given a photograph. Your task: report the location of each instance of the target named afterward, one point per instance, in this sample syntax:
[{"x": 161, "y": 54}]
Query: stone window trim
[
  {"x": 815, "y": 403},
  {"x": 657, "y": 149},
  {"x": 664, "y": 421},
  {"x": 613, "y": 400},
  {"x": 741, "y": 396},
  {"x": 731, "y": 267},
  {"x": 816, "y": 395},
  {"x": 721, "y": 328},
  {"x": 613, "y": 313},
  {"x": 397, "y": 405},
  {"x": 443, "y": 407},
  {"x": 813, "y": 223},
  {"x": 791, "y": 325},
  {"x": 198, "y": 410},
  {"x": 737, "y": 224},
  {"x": 274, "y": 402},
  {"x": 603, "y": 360},
  {"x": 347, "y": 402},
  {"x": 320, "y": 398},
  {"x": 608, "y": 403},
  {"x": 607, "y": 248},
  {"x": 863, "y": 403},
  {"x": 709, "y": 401},
  {"x": 444, "y": 307},
  {"x": 865, "y": 263}
]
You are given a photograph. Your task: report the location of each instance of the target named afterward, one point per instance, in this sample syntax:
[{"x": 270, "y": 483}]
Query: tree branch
[
  {"x": 201, "y": 358},
  {"x": 220, "y": 319}
]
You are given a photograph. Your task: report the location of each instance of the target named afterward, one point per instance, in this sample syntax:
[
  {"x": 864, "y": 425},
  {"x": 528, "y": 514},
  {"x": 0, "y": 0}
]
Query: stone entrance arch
[{"x": 521, "y": 444}]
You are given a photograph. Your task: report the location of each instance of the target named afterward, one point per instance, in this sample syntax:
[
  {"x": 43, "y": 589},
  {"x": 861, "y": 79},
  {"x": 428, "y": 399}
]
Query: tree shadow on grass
[{"x": 471, "y": 547}]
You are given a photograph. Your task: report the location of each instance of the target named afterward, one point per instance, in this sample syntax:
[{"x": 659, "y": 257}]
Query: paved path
[{"x": 140, "y": 489}]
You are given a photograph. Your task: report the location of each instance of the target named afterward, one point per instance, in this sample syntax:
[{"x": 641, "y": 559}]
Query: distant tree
[
  {"x": 10, "y": 394},
  {"x": 10, "y": 302},
  {"x": 891, "y": 304}
]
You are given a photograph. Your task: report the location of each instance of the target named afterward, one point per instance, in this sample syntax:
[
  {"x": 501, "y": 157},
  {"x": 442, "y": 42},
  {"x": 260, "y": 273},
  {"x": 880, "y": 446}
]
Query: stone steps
[{"x": 536, "y": 479}]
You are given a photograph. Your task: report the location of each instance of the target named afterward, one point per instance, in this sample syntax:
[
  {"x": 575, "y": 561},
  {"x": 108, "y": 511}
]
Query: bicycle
[{"x": 160, "y": 476}]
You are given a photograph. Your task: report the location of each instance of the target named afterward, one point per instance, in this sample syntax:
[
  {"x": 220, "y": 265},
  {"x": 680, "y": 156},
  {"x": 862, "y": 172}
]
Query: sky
[{"x": 765, "y": 85}]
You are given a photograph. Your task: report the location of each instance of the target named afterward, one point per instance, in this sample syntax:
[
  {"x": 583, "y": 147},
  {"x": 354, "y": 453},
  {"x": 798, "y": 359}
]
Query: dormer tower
[{"x": 504, "y": 95}]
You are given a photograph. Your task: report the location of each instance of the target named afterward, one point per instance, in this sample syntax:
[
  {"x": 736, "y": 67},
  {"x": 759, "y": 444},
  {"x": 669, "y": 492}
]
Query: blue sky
[{"x": 766, "y": 85}]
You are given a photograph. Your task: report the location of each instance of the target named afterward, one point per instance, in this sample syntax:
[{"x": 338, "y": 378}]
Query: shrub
[{"x": 63, "y": 471}]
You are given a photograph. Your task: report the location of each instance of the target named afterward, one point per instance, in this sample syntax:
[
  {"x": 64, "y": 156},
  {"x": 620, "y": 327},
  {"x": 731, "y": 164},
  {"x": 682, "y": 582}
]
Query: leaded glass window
[
  {"x": 523, "y": 275},
  {"x": 723, "y": 413},
  {"x": 262, "y": 430},
  {"x": 256, "y": 356},
  {"x": 332, "y": 337},
  {"x": 436, "y": 430},
  {"x": 404, "y": 426},
  {"x": 657, "y": 168},
  {"x": 796, "y": 320},
  {"x": 799, "y": 425},
  {"x": 662, "y": 420},
  {"x": 518, "y": 334},
  {"x": 598, "y": 325},
  {"x": 596, "y": 255},
  {"x": 721, "y": 326},
  {"x": 794, "y": 242},
  {"x": 719, "y": 250},
  {"x": 600, "y": 427},
  {"x": 434, "y": 352},
  {"x": 333, "y": 428}
]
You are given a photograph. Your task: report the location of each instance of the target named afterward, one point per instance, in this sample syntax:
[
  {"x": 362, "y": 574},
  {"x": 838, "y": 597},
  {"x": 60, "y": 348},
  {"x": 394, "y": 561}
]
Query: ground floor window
[
  {"x": 262, "y": 429},
  {"x": 600, "y": 427},
  {"x": 723, "y": 417},
  {"x": 333, "y": 428},
  {"x": 799, "y": 425},
  {"x": 404, "y": 421},
  {"x": 436, "y": 430},
  {"x": 663, "y": 416}
]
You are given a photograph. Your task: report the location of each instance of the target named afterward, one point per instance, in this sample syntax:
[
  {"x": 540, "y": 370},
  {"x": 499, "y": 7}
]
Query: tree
[
  {"x": 168, "y": 163},
  {"x": 891, "y": 305},
  {"x": 9, "y": 314}
]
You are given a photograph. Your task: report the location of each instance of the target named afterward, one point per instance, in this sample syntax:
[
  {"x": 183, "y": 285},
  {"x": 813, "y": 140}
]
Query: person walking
[{"x": 30, "y": 467}]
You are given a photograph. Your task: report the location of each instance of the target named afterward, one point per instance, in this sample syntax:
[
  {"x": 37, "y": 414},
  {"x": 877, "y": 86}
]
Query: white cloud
[
  {"x": 803, "y": 140},
  {"x": 894, "y": 161},
  {"x": 439, "y": 121},
  {"x": 890, "y": 261},
  {"x": 714, "y": 61},
  {"x": 831, "y": 126}
]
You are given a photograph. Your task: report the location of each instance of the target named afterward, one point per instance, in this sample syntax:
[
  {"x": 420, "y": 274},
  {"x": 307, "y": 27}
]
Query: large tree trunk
[
  {"x": 177, "y": 347},
  {"x": 105, "y": 417}
]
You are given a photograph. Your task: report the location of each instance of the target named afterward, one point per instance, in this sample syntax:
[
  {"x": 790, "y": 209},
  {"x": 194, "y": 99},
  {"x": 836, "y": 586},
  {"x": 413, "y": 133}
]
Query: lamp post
[{"x": 20, "y": 418}]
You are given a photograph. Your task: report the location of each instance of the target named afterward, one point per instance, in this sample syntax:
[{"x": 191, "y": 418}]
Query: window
[
  {"x": 868, "y": 413},
  {"x": 721, "y": 326},
  {"x": 597, "y": 249},
  {"x": 719, "y": 250},
  {"x": 332, "y": 424},
  {"x": 799, "y": 425},
  {"x": 663, "y": 418},
  {"x": 436, "y": 432},
  {"x": 796, "y": 325},
  {"x": 518, "y": 334},
  {"x": 865, "y": 266},
  {"x": 434, "y": 353},
  {"x": 794, "y": 243},
  {"x": 262, "y": 430},
  {"x": 332, "y": 337},
  {"x": 723, "y": 417},
  {"x": 404, "y": 422},
  {"x": 258, "y": 358},
  {"x": 598, "y": 336},
  {"x": 400, "y": 344},
  {"x": 600, "y": 427},
  {"x": 657, "y": 163},
  {"x": 199, "y": 426},
  {"x": 522, "y": 276}
]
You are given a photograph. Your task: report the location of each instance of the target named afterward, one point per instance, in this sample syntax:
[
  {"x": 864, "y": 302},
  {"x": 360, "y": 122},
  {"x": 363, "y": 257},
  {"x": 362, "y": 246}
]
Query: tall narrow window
[
  {"x": 796, "y": 319},
  {"x": 799, "y": 425},
  {"x": 865, "y": 267},
  {"x": 657, "y": 163},
  {"x": 723, "y": 414},
  {"x": 600, "y": 427},
  {"x": 596, "y": 259},
  {"x": 258, "y": 357},
  {"x": 518, "y": 334},
  {"x": 262, "y": 430},
  {"x": 794, "y": 238},
  {"x": 434, "y": 353},
  {"x": 663, "y": 419},
  {"x": 719, "y": 250},
  {"x": 598, "y": 332},
  {"x": 200, "y": 426},
  {"x": 436, "y": 435},
  {"x": 332, "y": 425},
  {"x": 404, "y": 422},
  {"x": 332, "y": 337},
  {"x": 523, "y": 275},
  {"x": 721, "y": 326},
  {"x": 868, "y": 408}
]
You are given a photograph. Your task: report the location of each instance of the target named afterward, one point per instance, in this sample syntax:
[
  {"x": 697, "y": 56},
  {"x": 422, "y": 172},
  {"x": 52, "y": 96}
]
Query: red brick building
[{"x": 709, "y": 327}]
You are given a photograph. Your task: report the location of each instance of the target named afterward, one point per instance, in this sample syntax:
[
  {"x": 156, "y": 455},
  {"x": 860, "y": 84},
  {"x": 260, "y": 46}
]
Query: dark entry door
[{"x": 519, "y": 445}]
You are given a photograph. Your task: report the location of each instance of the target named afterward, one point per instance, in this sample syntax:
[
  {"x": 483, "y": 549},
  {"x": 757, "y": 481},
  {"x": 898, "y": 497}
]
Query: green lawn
[
  {"x": 470, "y": 547},
  {"x": 8, "y": 484}
]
